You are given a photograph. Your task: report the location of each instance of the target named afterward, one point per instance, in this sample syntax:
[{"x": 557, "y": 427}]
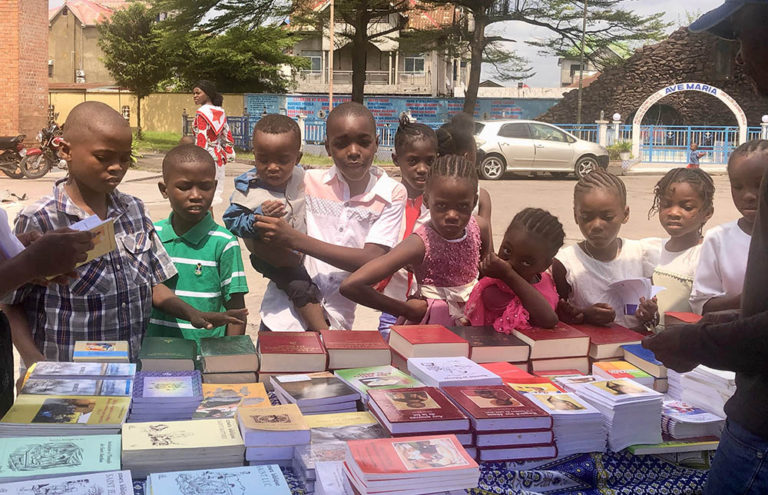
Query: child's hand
[
  {"x": 56, "y": 252},
  {"x": 568, "y": 313},
  {"x": 599, "y": 314},
  {"x": 275, "y": 231},
  {"x": 417, "y": 308},
  {"x": 273, "y": 208},
  {"x": 213, "y": 319},
  {"x": 495, "y": 267},
  {"x": 648, "y": 310}
]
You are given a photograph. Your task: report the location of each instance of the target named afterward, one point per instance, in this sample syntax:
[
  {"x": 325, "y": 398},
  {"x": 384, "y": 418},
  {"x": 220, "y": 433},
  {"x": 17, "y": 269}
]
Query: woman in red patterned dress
[{"x": 212, "y": 131}]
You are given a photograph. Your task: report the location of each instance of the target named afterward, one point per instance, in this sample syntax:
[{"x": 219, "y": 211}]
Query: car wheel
[
  {"x": 584, "y": 166},
  {"x": 492, "y": 167}
]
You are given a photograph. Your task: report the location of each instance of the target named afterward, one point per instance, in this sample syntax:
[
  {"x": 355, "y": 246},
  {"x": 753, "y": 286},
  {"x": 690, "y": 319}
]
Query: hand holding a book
[
  {"x": 669, "y": 348},
  {"x": 211, "y": 320},
  {"x": 648, "y": 310},
  {"x": 56, "y": 253}
]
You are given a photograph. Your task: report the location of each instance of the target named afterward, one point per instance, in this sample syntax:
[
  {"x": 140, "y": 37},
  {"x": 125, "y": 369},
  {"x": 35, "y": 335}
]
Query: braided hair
[
  {"x": 542, "y": 224},
  {"x": 457, "y": 136},
  {"x": 453, "y": 166},
  {"x": 408, "y": 131},
  {"x": 600, "y": 179},
  {"x": 747, "y": 149},
  {"x": 698, "y": 179}
]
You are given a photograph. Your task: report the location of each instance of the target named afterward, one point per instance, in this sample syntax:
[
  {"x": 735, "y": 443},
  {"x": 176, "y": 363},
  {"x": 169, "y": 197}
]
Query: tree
[
  {"x": 133, "y": 53},
  {"x": 606, "y": 23}
]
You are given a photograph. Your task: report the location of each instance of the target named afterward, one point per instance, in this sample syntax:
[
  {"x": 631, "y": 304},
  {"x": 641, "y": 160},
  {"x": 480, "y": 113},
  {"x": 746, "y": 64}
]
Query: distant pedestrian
[
  {"x": 212, "y": 131},
  {"x": 694, "y": 156}
]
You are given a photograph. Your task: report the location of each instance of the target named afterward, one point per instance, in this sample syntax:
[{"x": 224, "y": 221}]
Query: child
[
  {"x": 353, "y": 214},
  {"x": 516, "y": 290},
  {"x": 113, "y": 295},
  {"x": 723, "y": 261},
  {"x": 415, "y": 152},
  {"x": 276, "y": 188},
  {"x": 694, "y": 156},
  {"x": 444, "y": 254},
  {"x": 207, "y": 258},
  {"x": 684, "y": 200},
  {"x": 583, "y": 272}
]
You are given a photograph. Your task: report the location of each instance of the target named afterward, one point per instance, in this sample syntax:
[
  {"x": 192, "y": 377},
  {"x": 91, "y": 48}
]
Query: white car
[{"x": 528, "y": 146}]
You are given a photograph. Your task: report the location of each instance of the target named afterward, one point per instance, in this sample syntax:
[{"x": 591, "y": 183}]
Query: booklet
[
  {"x": 104, "y": 236},
  {"x": 629, "y": 292}
]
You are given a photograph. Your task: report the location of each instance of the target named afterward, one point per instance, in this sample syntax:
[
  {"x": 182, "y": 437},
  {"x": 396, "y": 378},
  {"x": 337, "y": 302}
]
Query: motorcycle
[
  {"x": 12, "y": 154},
  {"x": 40, "y": 160}
]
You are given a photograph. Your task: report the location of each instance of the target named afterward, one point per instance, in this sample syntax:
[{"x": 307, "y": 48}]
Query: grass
[
  {"x": 325, "y": 161},
  {"x": 156, "y": 141}
]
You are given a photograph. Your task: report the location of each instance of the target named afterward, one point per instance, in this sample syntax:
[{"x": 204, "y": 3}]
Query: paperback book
[
  {"x": 451, "y": 372},
  {"x": 57, "y": 386},
  {"x": 341, "y": 427},
  {"x": 104, "y": 483},
  {"x": 113, "y": 351},
  {"x": 33, "y": 415},
  {"x": 498, "y": 408},
  {"x": 377, "y": 377},
  {"x": 55, "y": 369},
  {"x": 265, "y": 479},
  {"x": 222, "y": 400},
  {"x": 273, "y": 426}
]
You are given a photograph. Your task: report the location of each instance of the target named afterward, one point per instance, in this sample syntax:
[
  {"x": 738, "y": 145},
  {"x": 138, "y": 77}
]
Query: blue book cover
[
  {"x": 643, "y": 353},
  {"x": 139, "y": 487},
  {"x": 264, "y": 480},
  {"x": 167, "y": 385}
]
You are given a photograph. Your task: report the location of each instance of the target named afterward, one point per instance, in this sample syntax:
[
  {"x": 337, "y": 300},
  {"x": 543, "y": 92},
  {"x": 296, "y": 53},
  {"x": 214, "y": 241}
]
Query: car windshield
[{"x": 479, "y": 128}]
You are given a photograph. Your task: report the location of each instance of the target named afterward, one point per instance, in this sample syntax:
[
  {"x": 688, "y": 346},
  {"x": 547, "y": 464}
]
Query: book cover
[
  {"x": 426, "y": 334},
  {"x": 686, "y": 413},
  {"x": 606, "y": 341},
  {"x": 621, "y": 390},
  {"x": 365, "y": 379},
  {"x": 494, "y": 402},
  {"x": 172, "y": 435},
  {"x": 103, "y": 236},
  {"x": 167, "y": 385},
  {"x": 534, "y": 385},
  {"x": 67, "y": 410},
  {"x": 74, "y": 386},
  {"x": 315, "y": 386},
  {"x": 673, "y": 446},
  {"x": 485, "y": 340},
  {"x": 340, "y": 427},
  {"x": 222, "y": 400},
  {"x": 557, "y": 373},
  {"x": 438, "y": 371},
  {"x": 420, "y": 454},
  {"x": 563, "y": 404},
  {"x": 90, "y": 350},
  {"x": 285, "y": 417},
  {"x": 352, "y": 340},
  {"x": 105, "y": 483},
  {"x": 506, "y": 371},
  {"x": 231, "y": 345},
  {"x": 560, "y": 331},
  {"x": 621, "y": 369},
  {"x": 642, "y": 353},
  {"x": 561, "y": 341},
  {"x": 167, "y": 348},
  {"x": 415, "y": 405},
  {"x": 55, "y": 369},
  {"x": 290, "y": 343},
  {"x": 265, "y": 479}
]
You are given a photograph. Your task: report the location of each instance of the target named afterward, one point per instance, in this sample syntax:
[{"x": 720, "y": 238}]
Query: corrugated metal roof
[{"x": 89, "y": 12}]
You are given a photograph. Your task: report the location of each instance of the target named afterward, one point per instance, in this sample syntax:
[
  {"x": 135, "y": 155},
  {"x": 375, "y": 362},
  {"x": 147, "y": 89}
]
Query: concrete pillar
[
  {"x": 602, "y": 132},
  {"x": 302, "y": 127},
  {"x": 764, "y": 127}
]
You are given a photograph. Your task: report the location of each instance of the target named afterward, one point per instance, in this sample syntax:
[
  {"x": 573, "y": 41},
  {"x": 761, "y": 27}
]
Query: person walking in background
[{"x": 212, "y": 132}]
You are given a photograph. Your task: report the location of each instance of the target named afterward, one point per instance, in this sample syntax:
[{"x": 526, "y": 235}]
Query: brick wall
[{"x": 24, "y": 59}]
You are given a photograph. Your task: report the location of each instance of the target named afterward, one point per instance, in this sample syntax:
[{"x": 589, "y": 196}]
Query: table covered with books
[{"x": 434, "y": 410}]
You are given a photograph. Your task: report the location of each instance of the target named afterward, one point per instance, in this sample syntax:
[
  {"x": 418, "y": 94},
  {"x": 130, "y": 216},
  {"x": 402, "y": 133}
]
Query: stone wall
[{"x": 683, "y": 57}]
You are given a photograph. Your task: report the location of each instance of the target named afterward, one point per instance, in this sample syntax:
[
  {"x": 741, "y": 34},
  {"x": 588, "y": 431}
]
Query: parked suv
[{"x": 530, "y": 147}]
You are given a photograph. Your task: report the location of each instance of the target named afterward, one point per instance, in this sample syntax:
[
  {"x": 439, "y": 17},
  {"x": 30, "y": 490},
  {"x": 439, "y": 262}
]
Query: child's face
[
  {"x": 600, "y": 215},
  {"x": 527, "y": 254},
  {"x": 745, "y": 174},
  {"x": 414, "y": 161},
  {"x": 189, "y": 187},
  {"x": 352, "y": 143},
  {"x": 694, "y": 147},
  {"x": 98, "y": 162},
  {"x": 450, "y": 201},
  {"x": 681, "y": 210},
  {"x": 276, "y": 156}
]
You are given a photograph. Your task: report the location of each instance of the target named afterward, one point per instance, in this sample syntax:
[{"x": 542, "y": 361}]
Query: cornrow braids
[
  {"x": 456, "y": 138},
  {"x": 600, "y": 179},
  {"x": 453, "y": 166},
  {"x": 541, "y": 223},
  {"x": 408, "y": 131},
  {"x": 698, "y": 179},
  {"x": 747, "y": 149}
]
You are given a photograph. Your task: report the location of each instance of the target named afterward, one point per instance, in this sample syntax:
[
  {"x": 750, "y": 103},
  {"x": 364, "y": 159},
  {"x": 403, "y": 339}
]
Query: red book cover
[
  {"x": 348, "y": 339},
  {"x": 399, "y": 361},
  {"x": 409, "y": 455},
  {"x": 683, "y": 317},
  {"x": 290, "y": 343},
  {"x": 613, "y": 334},
  {"x": 507, "y": 371},
  {"x": 494, "y": 402},
  {"x": 560, "y": 331},
  {"x": 411, "y": 405},
  {"x": 427, "y": 334}
]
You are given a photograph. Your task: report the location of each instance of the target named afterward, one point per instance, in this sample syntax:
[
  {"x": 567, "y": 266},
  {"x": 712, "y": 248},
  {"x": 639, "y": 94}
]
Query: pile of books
[
  {"x": 165, "y": 395},
  {"x": 109, "y": 482},
  {"x": 507, "y": 425},
  {"x": 161, "y": 447},
  {"x": 605, "y": 342},
  {"x": 229, "y": 359},
  {"x": 167, "y": 354},
  {"x": 558, "y": 348},
  {"x": 290, "y": 352},
  {"x": 331, "y": 479},
  {"x": 340, "y": 427},
  {"x": 272, "y": 433},
  {"x": 621, "y": 369},
  {"x": 409, "y": 341},
  {"x": 249, "y": 479},
  {"x": 632, "y": 411},
  {"x": 450, "y": 372},
  {"x": 486, "y": 345},
  {"x": 315, "y": 393},
  {"x": 307, "y": 458},
  {"x": 674, "y": 380},
  {"x": 708, "y": 388},
  {"x": 355, "y": 349},
  {"x": 72, "y": 371},
  {"x": 376, "y": 377},
  {"x": 416, "y": 465},
  {"x": 222, "y": 400},
  {"x": 579, "y": 427},
  {"x": 113, "y": 351},
  {"x": 680, "y": 420},
  {"x": 644, "y": 359}
]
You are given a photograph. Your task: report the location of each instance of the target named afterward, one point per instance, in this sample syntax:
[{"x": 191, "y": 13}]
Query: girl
[
  {"x": 723, "y": 261},
  {"x": 583, "y": 272},
  {"x": 683, "y": 199},
  {"x": 516, "y": 290},
  {"x": 443, "y": 254},
  {"x": 212, "y": 131}
]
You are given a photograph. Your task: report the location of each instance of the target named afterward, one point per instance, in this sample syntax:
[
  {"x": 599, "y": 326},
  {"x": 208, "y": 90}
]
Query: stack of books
[
  {"x": 307, "y": 457},
  {"x": 224, "y": 481},
  {"x": 605, "y": 342},
  {"x": 71, "y": 371},
  {"x": 34, "y": 458},
  {"x": 644, "y": 359},
  {"x": 632, "y": 411},
  {"x": 508, "y": 371},
  {"x": 507, "y": 425},
  {"x": 331, "y": 480},
  {"x": 290, "y": 352},
  {"x": 621, "y": 369},
  {"x": 167, "y": 354},
  {"x": 161, "y": 447},
  {"x": 340, "y": 427},
  {"x": 534, "y": 385},
  {"x": 376, "y": 377},
  {"x": 166, "y": 395},
  {"x": 675, "y": 385},
  {"x": 422, "y": 464},
  {"x": 109, "y": 483},
  {"x": 409, "y": 341},
  {"x": 316, "y": 393},
  {"x": 355, "y": 349},
  {"x": 571, "y": 383},
  {"x": 229, "y": 359},
  {"x": 450, "y": 372},
  {"x": 222, "y": 400},
  {"x": 708, "y": 388},
  {"x": 562, "y": 347},
  {"x": 486, "y": 345},
  {"x": 272, "y": 433},
  {"x": 113, "y": 351},
  {"x": 680, "y": 420},
  {"x": 78, "y": 386},
  {"x": 578, "y": 426}
]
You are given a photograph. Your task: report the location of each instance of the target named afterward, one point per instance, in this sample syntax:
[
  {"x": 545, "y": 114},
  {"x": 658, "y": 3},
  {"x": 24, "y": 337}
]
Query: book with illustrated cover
[
  {"x": 105, "y": 483},
  {"x": 170, "y": 386},
  {"x": 101, "y": 351},
  {"x": 314, "y": 388},
  {"x": 273, "y": 426},
  {"x": 534, "y": 385},
  {"x": 451, "y": 371},
  {"x": 498, "y": 408},
  {"x": 486, "y": 345},
  {"x": 353, "y": 349},
  {"x": 56, "y": 386},
  {"x": 195, "y": 436},
  {"x": 55, "y": 369},
  {"x": 416, "y": 410},
  {"x": 103, "y": 236},
  {"x": 562, "y": 341},
  {"x": 344, "y": 426},
  {"x": 222, "y": 400},
  {"x": 365, "y": 379},
  {"x": 426, "y": 341},
  {"x": 606, "y": 341},
  {"x": 621, "y": 369},
  {"x": 266, "y": 479},
  {"x": 229, "y": 354},
  {"x": 291, "y": 352},
  {"x": 51, "y": 411}
]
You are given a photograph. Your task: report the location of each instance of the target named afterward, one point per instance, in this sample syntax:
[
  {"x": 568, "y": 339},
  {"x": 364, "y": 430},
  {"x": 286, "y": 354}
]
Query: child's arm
[
  {"x": 166, "y": 301},
  {"x": 22, "y": 334},
  {"x": 708, "y": 294},
  {"x": 597, "y": 314},
  {"x": 484, "y": 211},
  {"x": 358, "y": 287},
  {"x": 236, "y": 301}
]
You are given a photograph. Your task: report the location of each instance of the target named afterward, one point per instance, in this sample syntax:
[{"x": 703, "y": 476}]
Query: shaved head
[
  {"x": 92, "y": 117},
  {"x": 352, "y": 109},
  {"x": 187, "y": 153}
]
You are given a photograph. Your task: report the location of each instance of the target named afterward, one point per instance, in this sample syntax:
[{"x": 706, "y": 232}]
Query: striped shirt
[{"x": 210, "y": 270}]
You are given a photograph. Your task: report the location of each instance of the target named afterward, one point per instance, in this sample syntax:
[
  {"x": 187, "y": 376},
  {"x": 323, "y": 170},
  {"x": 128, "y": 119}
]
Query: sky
[{"x": 545, "y": 67}]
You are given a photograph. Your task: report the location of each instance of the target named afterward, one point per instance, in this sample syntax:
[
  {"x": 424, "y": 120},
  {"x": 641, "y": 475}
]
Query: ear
[
  {"x": 327, "y": 146},
  {"x": 626, "y": 215},
  {"x": 425, "y": 199},
  {"x": 299, "y": 157},
  {"x": 163, "y": 189},
  {"x": 65, "y": 151},
  {"x": 394, "y": 159},
  {"x": 707, "y": 215}
]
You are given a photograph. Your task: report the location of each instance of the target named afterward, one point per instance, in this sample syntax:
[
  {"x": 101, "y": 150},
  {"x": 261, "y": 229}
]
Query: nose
[
  {"x": 452, "y": 216},
  {"x": 674, "y": 212},
  {"x": 195, "y": 194},
  {"x": 422, "y": 168}
]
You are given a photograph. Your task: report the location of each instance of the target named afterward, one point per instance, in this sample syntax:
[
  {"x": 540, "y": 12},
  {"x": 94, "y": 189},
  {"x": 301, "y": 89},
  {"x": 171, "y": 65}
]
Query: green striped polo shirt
[{"x": 210, "y": 268}]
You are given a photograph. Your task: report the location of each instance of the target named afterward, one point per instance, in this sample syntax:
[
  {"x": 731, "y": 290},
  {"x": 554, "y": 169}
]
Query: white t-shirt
[
  {"x": 675, "y": 272},
  {"x": 589, "y": 278},
  {"x": 722, "y": 264}
]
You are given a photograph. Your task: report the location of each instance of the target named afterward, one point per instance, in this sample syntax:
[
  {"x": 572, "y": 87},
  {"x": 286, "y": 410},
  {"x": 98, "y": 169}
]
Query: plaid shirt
[{"x": 112, "y": 297}]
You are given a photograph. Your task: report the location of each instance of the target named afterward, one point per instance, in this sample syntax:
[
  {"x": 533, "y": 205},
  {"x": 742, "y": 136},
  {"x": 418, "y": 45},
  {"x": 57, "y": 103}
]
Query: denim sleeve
[{"x": 239, "y": 220}]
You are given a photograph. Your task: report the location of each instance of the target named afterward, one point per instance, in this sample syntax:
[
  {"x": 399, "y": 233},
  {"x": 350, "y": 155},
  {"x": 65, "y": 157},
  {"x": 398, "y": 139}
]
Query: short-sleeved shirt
[
  {"x": 111, "y": 299},
  {"x": 693, "y": 157},
  {"x": 210, "y": 270},
  {"x": 333, "y": 216}
]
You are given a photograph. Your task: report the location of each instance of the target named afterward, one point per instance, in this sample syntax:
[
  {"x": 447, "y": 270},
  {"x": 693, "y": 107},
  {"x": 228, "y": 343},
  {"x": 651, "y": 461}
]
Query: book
[
  {"x": 325, "y": 428},
  {"x": 517, "y": 453},
  {"x": 27, "y": 458},
  {"x": 580, "y": 364},
  {"x": 427, "y": 341},
  {"x": 166, "y": 395},
  {"x": 621, "y": 369},
  {"x": 507, "y": 371},
  {"x": 229, "y": 354},
  {"x": 498, "y": 408},
  {"x": 578, "y": 426},
  {"x": 416, "y": 411},
  {"x": 331, "y": 479},
  {"x": 674, "y": 446},
  {"x": 606, "y": 341},
  {"x": 291, "y": 352},
  {"x": 486, "y": 345},
  {"x": 114, "y": 351},
  {"x": 306, "y": 456},
  {"x": 376, "y": 377},
  {"x": 556, "y": 373},
  {"x": 314, "y": 389},
  {"x": 55, "y": 369},
  {"x": 274, "y": 426},
  {"x": 680, "y": 420},
  {"x": 534, "y": 385},
  {"x": 59, "y": 386},
  {"x": 355, "y": 349},
  {"x": 167, "y": 354},
  {"x": 450, "y": 371},
  {"x": 265, "y": 479},
  {"x": 558, "y": 342},
  {"x": 222, "y": 400},
  {"x": 627, "y": 293},
  {"x": 223, "y": 378},
  {"x": 103, "y": 236},
  {"x": 679, "y": 318},
  {"x": 64, "y": 415},
  {"x": 644, "y": 359},
  {"x": 104, "y": 483}
]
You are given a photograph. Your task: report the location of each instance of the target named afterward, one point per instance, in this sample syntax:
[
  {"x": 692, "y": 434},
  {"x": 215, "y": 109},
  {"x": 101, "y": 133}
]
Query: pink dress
[{"x": 492, "y": 302}]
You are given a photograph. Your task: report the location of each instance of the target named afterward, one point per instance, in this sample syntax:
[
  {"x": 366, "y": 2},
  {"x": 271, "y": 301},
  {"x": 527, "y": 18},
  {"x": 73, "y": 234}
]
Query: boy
[
  {"x": 353, "y": 214},
  {"x": 276, "y": 188},
  {"x": 694, "y": 156},
  {"x": 207, "y": 257},
  {"x": 112, "y": 297}
]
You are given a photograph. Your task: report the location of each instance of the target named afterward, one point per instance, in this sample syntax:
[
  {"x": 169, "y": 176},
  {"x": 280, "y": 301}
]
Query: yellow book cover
[
  {"x": 340, "y": 419},
  {"x": 621, "y": 369},
  {"x": 537, "y": 388},
  {"x": 222, "y": 400},
  {"x": 286, "y": 417},
  {"x": 63, "y": 409},
  {"x": 197, "y": 434},
  {"x": 103, "y": 236},
  {"x": 235, "y": 390}
]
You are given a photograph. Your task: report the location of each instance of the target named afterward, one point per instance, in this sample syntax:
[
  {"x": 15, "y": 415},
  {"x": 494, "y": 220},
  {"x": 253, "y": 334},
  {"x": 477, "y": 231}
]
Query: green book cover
[
  {"x": 377, "y": 377},
  {"x": 672, "y": 446},
  {"x": 168, "y": 348},
  {"x": 227, "y": 346}
]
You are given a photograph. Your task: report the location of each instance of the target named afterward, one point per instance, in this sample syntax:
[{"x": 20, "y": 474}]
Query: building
[{"x": 570, "y": 65}]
